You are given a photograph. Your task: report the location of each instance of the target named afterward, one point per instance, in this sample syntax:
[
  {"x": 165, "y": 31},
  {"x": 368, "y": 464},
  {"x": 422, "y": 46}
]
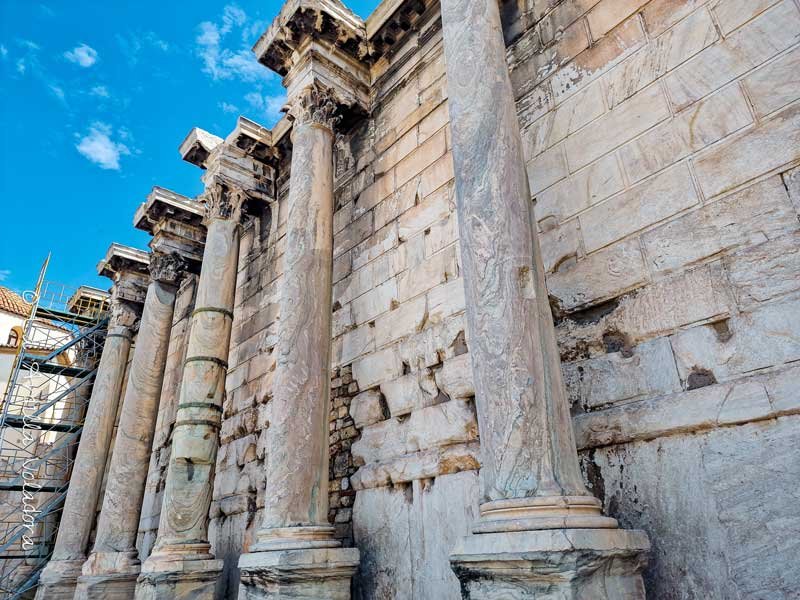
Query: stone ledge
[{"x": 752, "y": 398}]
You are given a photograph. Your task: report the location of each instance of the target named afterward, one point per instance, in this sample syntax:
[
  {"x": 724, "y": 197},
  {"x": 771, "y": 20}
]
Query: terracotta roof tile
[{"x": 13, "y": 303}]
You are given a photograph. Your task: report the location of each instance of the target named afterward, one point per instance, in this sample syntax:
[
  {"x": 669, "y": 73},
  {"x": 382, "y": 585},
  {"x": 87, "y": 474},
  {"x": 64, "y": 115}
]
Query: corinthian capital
[
  {"x": 123, "y": 314},
  {"x": 315, "y": 104},
  {"x": 224, "y": 201},
  {"x": 167, "y": 268}
]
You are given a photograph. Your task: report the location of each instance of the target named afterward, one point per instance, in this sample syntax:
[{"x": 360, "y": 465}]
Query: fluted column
[
  {"x": 295, "y": 545},
  {"x": 181, "y": 555},
  {"x": 529, "y": 464},
  {"x": 59, "y": 577},
  {"x": 113, "y": 565}
]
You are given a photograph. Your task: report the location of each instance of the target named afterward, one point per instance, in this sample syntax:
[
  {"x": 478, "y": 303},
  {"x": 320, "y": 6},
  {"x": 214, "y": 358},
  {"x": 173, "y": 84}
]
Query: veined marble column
[
  {"x": 296, "y": 555},
  {"x": 181, "y": 564},
  {"x": 535, "y": 508},
  {"x": 110, "y": 571},
  {"x": 59, "y": 577}
]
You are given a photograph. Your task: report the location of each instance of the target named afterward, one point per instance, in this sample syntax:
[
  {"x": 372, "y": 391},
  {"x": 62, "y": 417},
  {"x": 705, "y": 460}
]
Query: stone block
[
  {"x": 762, "y": 38},
  {"x": 445, "y": 300},
  {"x": 575, "y": 112},
  {"x": 645, "y": 204},
  {"x": 436, "y": 206},
  {"x": 765, "y": 271},
  {"x": 659, "y": 56},
  {"x": 439, "y": 268},
  {"x": 366, "y": 408},
  {"x": 698, "y": 126},
  {"x": 776, "y": 84},
  {"x": 451, "y": 422},
  {"x": 377, "y": 367},
  {"x": 776, "y": 142},
  {"x": 660, "y": 15},
  {"x": 441, "y": 234},
  {"x": 750, "y": 216},
  {"x": 382, "y": 241},
  {"x": 735, "y": 489},
  {"x": 455, "y": 377},
  {"x": 560, "y": 245},
  {"x": 766, "y": 337},
  {"x": 609, "y": 13},
  {"x": 546, "y": 169},
  {"x": 410, "y": 392},
  {"x": 735, "y": 13},
  {"x": 732, "y": 403},
  {"x": 421, "y": 158},
  {"x": 353, "y": 234},
  {"x": 356, "y": 342},
  {"x": 588, "y": 186},
  {"x": 435, "y": 343},
  {"x": 435, "y": 176},
  {"x": 402, "y": 321},
  {"x": 604, "y": 274},
  {"x": 376, "y": 301},
  {"x": 646, "y": 370},
  {"x": 626, "y": 121}
]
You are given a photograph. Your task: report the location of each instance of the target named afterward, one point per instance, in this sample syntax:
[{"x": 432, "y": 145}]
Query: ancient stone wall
[
  {"x": 662, "y": 147},
  {"x": 661, "y": 139}
]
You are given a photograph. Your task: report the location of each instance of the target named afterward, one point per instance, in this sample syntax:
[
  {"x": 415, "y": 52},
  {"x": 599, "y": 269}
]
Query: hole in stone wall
[
  {"x": 699, "y": 378},
  {"x": 723, "y": 330}
]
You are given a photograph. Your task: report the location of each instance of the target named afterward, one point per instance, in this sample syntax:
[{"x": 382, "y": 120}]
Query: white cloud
[
  {"x": 269, "y": 106},
  {"x": 221, "y": 62},
  {"x": 82, "y": 55},
  {"x": 21, "y": 66},
  {"x": 4, "y": 273},
  {"x": 228, "y": 108},
  {"x": 3, "y": 51},
  {"x": 100, "y": 91},
  {"x": 99, "y": 148},
  {"x": 57, "y": 92}
]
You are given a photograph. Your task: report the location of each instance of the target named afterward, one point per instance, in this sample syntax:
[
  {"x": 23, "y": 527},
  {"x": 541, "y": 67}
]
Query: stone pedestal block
[
  {"x": 171, "y": 577},
  {"x": 59, "y": 579},
  {"x": 108, "y": 576},
  {"x": 552, "y": 564},
  {"x": 304, "y": 574}
]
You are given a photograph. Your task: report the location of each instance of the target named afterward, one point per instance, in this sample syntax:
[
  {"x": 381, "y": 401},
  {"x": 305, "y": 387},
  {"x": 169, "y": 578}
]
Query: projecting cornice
[
  {"x": 176, "y": 224},
  {"x": 197, "y": 146},
  {"x": 327, "y": 21},
  {"x": 391, "y": 21}
]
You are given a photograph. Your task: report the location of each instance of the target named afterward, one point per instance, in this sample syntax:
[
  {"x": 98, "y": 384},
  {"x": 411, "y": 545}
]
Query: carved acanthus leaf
[
  {"x": 315, "y": 104},
  {"x": 224, "y": 201},
  {"x": 167, "y": 268}
]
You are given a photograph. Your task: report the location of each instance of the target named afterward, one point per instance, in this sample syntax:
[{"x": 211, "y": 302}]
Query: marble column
[
  {"x": 110, "y": 571},
  {"x": 539, "y": 528},
  {"x": 59, "y": 577},
  {"x": 296, "y": 555},
  {"x": 181, "y": 564}
]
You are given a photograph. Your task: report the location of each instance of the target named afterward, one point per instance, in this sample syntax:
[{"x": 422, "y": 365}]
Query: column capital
[
  {"x": 167, "y": 267},
  {"x": 127, "y": 268},
  {"x": 124, "y": 314},
  {"x": 315, "y": 104},
  {"x": 224, "y": 201}
]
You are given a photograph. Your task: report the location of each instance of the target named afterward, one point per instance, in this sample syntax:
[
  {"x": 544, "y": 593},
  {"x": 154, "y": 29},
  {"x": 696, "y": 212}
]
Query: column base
[
  {"x": 108, "y": 576},
  {"x": 300, "y": 574},
  {"x": 178, "y": 573},
  {"x": 552, "y": 564},
  {"x": 59, "y": 579}
]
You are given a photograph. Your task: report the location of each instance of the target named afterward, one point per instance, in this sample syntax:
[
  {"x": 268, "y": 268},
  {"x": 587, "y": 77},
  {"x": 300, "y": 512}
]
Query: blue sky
[{"x": 95, "y": 98}]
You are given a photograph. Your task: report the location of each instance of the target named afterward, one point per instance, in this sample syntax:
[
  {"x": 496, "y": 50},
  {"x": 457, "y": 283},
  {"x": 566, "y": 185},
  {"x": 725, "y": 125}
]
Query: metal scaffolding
[{"x": 41, "y": 421}]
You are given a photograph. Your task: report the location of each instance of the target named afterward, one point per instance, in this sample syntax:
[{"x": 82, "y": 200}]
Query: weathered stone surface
[
  {"x": 700, "y": 125},
  {"x": 604, "y": 274},
  {"x": 646, "y": 370},
  {"x": 730, "y": 164},
  {"x": 742, "y": 401},
  {"x": 588, "y": 186},
  {"x": 767, "y": 35},
  {"x": 451, "y": 422},
  {"x": 366, "y": 408},
  {"x": 756, "y": 214},
  {"x": 776, "y": 84},
  {"x": 405, "y": 534},
  {"x": 455, "y": 378},
  {"x": 410, "y": 392},
  {"x": 765, "y": 271},
  {"x": 719, "y": 478},
  {"x": 646, "y": 204},
  {"x": 768, "y": 336},
  {"x": 377, "y": 367},
  {"x": 560, "y": 245}
]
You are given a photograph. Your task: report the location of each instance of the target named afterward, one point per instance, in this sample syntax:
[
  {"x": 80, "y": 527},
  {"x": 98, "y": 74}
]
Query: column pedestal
[
  {"x": 108, "y": 576},
  {"x": 179, "y": 574},
  {"x": 299, "y": 574},
  {"x": 552, "y": 564},
  {"x": 58, "y": 579}
]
